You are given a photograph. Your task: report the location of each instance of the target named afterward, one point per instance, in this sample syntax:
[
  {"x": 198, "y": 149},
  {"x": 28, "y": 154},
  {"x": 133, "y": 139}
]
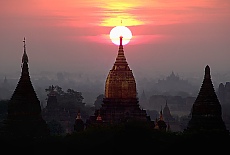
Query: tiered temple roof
[
  {"x": 24, "y": 110},
  {"x": 206, "y": 113},
  {"x": 120, "y": 82},
  {"x": 120, "y": 102}
]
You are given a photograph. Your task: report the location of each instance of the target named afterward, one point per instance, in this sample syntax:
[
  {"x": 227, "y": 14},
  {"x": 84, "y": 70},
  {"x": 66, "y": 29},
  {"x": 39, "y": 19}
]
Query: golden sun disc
[{"x": 119, "y": 31}]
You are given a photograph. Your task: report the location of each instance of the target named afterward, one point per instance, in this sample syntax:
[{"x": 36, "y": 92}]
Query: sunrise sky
[{"x": 73, "y": 35}]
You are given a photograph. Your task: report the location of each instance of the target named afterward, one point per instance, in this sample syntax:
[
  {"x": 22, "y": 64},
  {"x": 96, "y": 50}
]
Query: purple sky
[{"x": 73, "y": 36}]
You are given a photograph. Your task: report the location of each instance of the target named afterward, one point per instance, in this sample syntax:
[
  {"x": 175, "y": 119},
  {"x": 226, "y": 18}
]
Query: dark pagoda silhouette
[
  {"x": 167, "y": 114},
  {"x": 120, "y": 103},
  {"x": 206, "y": 112},
  {"x": 160, "y": 124},
  {"x": 79, "y": 124},
  {"x": 24, "y": 111}
]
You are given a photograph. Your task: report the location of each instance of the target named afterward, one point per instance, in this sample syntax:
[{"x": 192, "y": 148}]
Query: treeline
[{"x": 132, "y": 137}]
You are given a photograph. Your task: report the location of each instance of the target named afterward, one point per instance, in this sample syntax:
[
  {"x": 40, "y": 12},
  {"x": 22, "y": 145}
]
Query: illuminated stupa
[
  {"x": 120, "y": 103},
  {"x": 120, "y": 82}
]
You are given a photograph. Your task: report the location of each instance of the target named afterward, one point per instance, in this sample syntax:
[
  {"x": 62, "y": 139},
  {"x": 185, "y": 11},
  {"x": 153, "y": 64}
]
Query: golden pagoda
[
  {"x": 120, "y": 82},
  {"x": 120, "y": 103}
]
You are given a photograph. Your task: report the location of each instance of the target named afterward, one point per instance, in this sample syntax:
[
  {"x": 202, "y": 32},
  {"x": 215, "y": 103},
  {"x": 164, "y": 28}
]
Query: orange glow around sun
[
  {"x": 119, "y": 31},
  {"x": 92, "y": 20},
  {"x": 117, "y": 11}
]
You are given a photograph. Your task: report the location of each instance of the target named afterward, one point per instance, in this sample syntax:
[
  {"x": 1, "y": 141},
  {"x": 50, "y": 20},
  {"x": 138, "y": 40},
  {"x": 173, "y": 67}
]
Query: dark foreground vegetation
[{"x": 124, "y": 138}]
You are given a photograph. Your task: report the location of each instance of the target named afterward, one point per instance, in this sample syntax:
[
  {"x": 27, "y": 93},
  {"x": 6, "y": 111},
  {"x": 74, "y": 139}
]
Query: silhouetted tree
[
  {"x": 99, "y": 101},
  {"x": 69, "y": 99}
]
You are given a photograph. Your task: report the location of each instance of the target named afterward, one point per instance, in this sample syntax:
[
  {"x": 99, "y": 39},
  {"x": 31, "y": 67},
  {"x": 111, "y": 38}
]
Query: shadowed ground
[{"x": 129, "y": 138}]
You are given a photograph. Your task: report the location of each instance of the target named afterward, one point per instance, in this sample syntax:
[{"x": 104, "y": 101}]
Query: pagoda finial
[
  {"x": 121, "y": 40},
  {"x": 24, "y": 57},
  {"x": 207, "y": 72},
  {"x": 24, "y": 41}
]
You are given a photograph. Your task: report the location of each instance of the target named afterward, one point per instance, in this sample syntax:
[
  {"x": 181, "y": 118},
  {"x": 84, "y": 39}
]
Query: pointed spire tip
[
  {"x": 207, "y": 72},
  {"x": 24, "y": 57},
  {"x": 121, "y": 40}
]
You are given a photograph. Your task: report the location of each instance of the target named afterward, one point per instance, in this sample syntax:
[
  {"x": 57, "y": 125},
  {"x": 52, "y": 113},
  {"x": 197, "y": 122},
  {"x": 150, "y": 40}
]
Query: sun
[{"x": 119, "y": 31}]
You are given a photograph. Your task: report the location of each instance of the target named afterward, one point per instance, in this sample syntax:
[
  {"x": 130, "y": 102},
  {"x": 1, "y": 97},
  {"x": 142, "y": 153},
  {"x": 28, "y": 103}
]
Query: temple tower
[
  {"x": 167, "y": 114},
  {"x": 120, "y": 82},
  {"x": 120, "y": 102},
  {"x": 24, "y": 110},
  {"x": 206, "y": 112}
]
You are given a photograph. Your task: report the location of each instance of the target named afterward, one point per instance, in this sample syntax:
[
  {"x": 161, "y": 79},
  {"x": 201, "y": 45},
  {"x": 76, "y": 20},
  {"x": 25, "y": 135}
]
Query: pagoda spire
[
  {"x": 24, "y": 57},
  {"x": 25, "y": 60},
  {"x": 207, "y": 72},
  {"x": 121, "y": 41},
  {"x": 206, "y": 110},
  {"x": 121, "y": 60},
  {"x": 121, "y": 54},
  {"x": 24, "y": 109},
  {"x": 29, "y": 97}
]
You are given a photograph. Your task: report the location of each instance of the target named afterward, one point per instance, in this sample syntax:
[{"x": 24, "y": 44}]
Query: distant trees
[
  {"x": 62, "y": 108},
  {"x": 69, "y": 99}
]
